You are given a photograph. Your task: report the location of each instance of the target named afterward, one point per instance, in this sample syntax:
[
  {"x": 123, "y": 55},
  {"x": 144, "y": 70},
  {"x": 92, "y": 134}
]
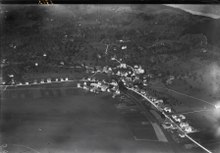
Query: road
[
  {"x": 162, "y": 134},
  {"x": 170, "y": 119}
]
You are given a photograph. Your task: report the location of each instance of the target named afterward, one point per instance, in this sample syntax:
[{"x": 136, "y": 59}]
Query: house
[
  {"x": 126, "y": 74},
  {"x": 78, "y": 85},
  {"x": 138, "y": 69},
  {"x": 104, "y": 88},
  {"x": 123, "y": 65},
  {"x": 42, "y": 81},
  {"x": 48, "y": 80},
  {"x": 118, "y": 73},
  {"x": 113, "y": 58},
  {"x": 124, "y": 47},
  {"x": 96, "y": 84},
  {"x": 117, "y": 92},
  {"x": 109, "y": 69},
  {"x": 136, "y": 66},
  {"x": 105, "y": 69},
  {"x": 114, "y": 83}
]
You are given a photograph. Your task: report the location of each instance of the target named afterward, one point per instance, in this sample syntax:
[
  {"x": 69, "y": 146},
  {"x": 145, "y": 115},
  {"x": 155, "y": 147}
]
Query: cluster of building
[
  {"x": 96, "y": 86},
  {"x": 135, "y": 78}
]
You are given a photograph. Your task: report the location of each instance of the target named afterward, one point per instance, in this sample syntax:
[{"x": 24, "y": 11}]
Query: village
[
  {"x": 135, "y": 78},
  {"x": 123, "y": 76}
]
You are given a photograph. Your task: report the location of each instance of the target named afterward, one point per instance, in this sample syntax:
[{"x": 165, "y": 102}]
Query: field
[{"x": 56, "y": 120}]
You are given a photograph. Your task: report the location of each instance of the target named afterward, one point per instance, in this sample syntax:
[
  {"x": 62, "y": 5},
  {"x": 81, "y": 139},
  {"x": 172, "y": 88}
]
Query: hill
[{"x": 165, "y": 40}]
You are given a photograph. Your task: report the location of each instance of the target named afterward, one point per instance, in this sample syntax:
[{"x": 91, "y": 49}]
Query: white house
[
  {"x": 78, "y": 85},
  {"x": 104, "y": 88},
  {"x": 42, "y": 81},
  {"x": 124, "y": 47},
  {"x": 48, "y": 80}
]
